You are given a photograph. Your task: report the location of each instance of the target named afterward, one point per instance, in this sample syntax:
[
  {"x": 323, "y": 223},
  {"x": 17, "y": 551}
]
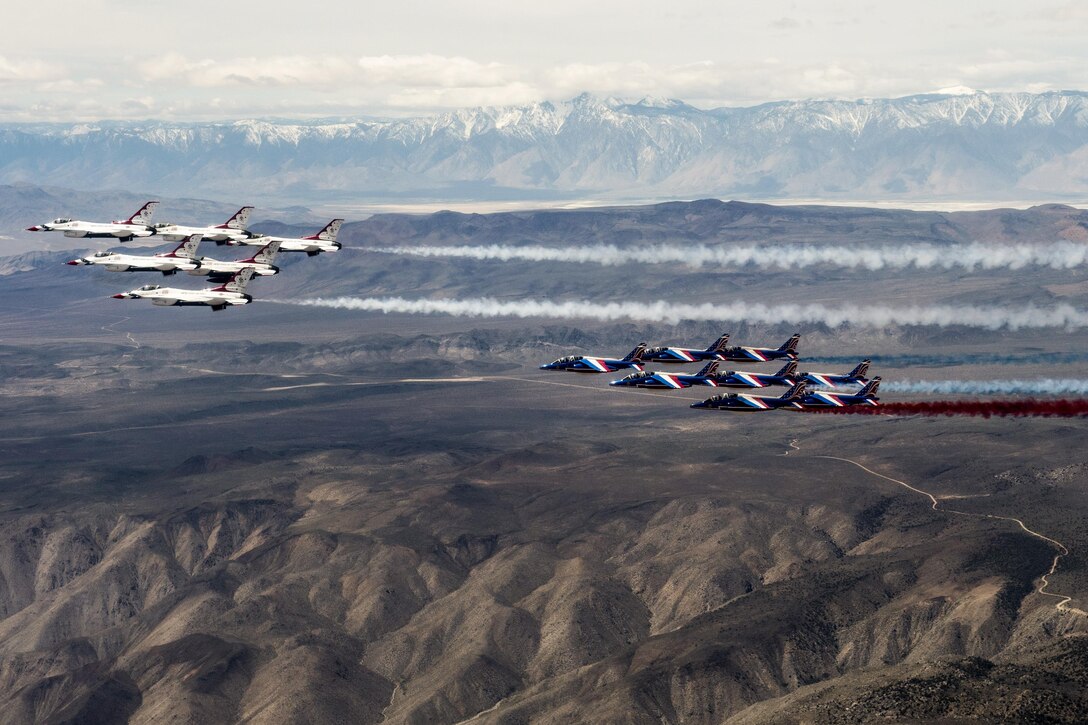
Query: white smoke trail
[
  {"x": 990, "y": 318},
  {"x": 1044, "y": 386},
  {"x": 1060, "y": 255}
]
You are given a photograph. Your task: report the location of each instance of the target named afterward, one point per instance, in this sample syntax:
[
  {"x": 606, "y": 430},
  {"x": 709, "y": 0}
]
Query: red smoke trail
[{"x": 985, "y": 408}]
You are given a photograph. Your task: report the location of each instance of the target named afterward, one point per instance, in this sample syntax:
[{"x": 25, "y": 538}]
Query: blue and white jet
[
  {"x": 589, "y": 364},
  {"x": 744, "y": 403},
  {"x": 686, "y": 354},
  {"x": 669, "y": 381},
  {"x": 787, "y": 350},
  {"x": 830, "y": 380},
  {"x": 865, "y": 396},
  {"x": 743, "y": 379}
]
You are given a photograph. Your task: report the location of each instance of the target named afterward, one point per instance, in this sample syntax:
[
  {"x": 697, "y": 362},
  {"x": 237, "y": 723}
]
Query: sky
[{"x": 203, "y": 60}]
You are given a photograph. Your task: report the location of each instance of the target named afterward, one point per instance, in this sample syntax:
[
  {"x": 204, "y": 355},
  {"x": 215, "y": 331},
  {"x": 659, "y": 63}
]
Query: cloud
[
  {"x": 194, "y": 88},
  {"x": 785, "y": 23},
  {"x": 29, "y": 70},
  {"x": 292, "y": 70}
]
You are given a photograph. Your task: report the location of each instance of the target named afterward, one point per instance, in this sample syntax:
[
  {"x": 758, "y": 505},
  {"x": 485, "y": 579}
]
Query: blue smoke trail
[{"x": 1043, "y": 386}]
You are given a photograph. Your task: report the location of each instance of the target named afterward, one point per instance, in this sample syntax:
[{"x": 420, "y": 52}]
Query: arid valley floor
[{"x": 283, "y": 513}]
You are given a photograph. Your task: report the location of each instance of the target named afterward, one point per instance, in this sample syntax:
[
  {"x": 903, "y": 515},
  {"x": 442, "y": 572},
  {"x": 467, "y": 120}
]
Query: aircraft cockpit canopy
[
  {"x": 61, "y": 221},
  {"x": 653, "y": 350},
  {"x": 100, "y": 255},
  {"x": 569, "y": 359},
  {"x": 149, "y": 287}
]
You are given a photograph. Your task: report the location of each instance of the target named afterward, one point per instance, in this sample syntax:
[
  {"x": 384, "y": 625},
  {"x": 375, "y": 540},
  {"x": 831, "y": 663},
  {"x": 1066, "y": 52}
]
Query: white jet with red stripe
[
  {"x": 137, "y": 225},
  {"x": 218, "y": 298},
  {"x": 233, "y": 229},
  {"x": 181, "y": 258},
  {"x": 323, "y": 241}
]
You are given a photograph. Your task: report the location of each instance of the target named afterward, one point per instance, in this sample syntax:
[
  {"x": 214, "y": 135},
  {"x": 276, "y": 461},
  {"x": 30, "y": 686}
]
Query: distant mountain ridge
[{"x": 969, "y": 146}]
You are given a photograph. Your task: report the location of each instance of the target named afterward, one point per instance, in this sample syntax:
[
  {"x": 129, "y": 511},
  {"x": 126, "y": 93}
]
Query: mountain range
[{"x": 984, "y": 146}]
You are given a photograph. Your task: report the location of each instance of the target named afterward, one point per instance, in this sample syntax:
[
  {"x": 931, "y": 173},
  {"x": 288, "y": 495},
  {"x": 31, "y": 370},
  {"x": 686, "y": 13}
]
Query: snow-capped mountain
[{"x": 963, "y": 145}]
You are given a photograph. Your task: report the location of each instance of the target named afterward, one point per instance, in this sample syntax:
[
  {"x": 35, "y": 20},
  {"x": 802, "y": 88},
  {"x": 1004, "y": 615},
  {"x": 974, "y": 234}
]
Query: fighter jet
[
  {"x": 685, "y": 354},
  {"x": 323, "y": 241},
  {"x": 168, "y": 263},
  {"x": 742, "y": 379},
  {"x": 218, "y": 298},
  {"x": 670, "y": 381},
  {"x": 234, "y": 229},
  {"x": 865, "y": 396},
  {"x": 586, "y": 364},
  {"x": 260, "y": 263},
  {"x": 743, "y": 403},
  {"x": 830, "y": 380},
  {"x": 788, "y": 350},
  {"x": 137, "y": 225}
]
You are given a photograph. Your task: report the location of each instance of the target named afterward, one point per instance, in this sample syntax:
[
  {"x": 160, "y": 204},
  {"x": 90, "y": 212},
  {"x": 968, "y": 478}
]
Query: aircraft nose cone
[
  {"x": 34, "y": 228},
  {"x": 75, "y": 262},
  {"x": 118, "y": 297}
]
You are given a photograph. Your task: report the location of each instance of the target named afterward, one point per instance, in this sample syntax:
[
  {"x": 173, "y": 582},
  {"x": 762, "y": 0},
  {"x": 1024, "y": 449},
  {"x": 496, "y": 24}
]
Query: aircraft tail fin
[
  {"x": 636, "y": 354},
  {"x": 795, "y": 392},
  {"x": 240, "y": 220},
  {"x": 861, "y": 370},
  {"x": 143, "y": 215},
  {"x": 328, "y": 234},
  {"x": 187, "y": 249},
  {"x": 790, "y": 345},
  {"x": 788, "y": 369},
  {"x": 719, "y": 344},
  {"x": 869, "y": 391},
  {"x": 237, "y": 282},
  {"x": 266, "y": 254},
  {"x": 709, "y": 369}
]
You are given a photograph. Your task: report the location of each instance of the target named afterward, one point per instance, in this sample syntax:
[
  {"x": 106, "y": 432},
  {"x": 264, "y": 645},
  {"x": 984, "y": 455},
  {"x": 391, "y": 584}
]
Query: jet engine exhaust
[{"x": 1065, "y": 408}]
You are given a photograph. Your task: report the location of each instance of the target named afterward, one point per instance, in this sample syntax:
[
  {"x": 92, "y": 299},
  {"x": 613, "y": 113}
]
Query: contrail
[
  {"x": 984, "y": 409},
  {"x": 1044, "y": 386},
  {"x": 990, "y": 318},
  {"x": 917, "y": 360},
  {"x": 973, "y": 256}
]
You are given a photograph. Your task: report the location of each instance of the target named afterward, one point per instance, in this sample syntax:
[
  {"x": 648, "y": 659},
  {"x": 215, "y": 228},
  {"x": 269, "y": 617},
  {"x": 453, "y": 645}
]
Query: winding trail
[
  {"x": 135, "y": 344},
  {"x": 1061, "y": 605}
]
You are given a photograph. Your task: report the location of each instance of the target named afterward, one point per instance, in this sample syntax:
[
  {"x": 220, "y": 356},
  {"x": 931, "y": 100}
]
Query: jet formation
[
  {"x": 807, "y": 390},
  {"x": 230, "y": 277}
]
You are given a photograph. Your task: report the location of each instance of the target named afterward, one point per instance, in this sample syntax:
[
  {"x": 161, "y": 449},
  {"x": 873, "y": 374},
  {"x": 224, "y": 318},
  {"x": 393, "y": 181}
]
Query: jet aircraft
[
  {"x": 865, "y": 396},
  {"x": 830, "y": 380},
  {"x": 743, "y": 403},
  {"x": 587, "y": 364},
  {"x": 671, "y": 381},
  {"x": 234, "y": 229},
  {"x": 788, "y": 350},
  {"x": 218, "y": 298},
  {"x": 685, "y": 354},
  {"x": 323, "y": 241},
  {"x": 260, "y": 263},
  {"x": 137, "y": 225},
  {"x": 180, "y": 258},
  {"x": 742, "y": 379}
]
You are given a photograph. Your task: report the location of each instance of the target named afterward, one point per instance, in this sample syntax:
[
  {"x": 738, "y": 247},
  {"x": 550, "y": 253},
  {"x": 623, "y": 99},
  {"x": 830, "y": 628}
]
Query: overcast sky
[{"x": 199, "y": 60}]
